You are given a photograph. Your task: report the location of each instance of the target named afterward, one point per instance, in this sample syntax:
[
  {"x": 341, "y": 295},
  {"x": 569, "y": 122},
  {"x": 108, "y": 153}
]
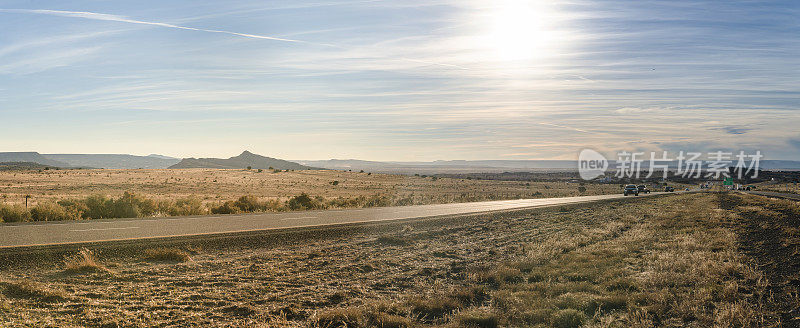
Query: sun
[{"x": 520, "y": 30}]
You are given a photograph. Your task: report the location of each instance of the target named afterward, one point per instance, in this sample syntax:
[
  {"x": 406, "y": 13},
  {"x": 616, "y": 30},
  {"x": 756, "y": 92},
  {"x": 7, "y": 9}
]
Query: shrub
[
  {"x": 249, "y": 204},
  {"x": 377, "y": 201},
  {"x": 14, "y": 213},
  {"x": 50, "y": 211},
  {"x": 226, "y": 208},
  {"x": 187, "y": 206},
  {"x": 75, "y": 206},
  {"x": 97, "y": 207},
  {"x": 303, "y": 202},
  {"x": 130, "y": 206}
]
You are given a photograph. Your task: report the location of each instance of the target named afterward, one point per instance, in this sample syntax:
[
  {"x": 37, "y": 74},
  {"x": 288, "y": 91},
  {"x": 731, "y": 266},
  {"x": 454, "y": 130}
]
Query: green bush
[
  {"x": 226, "y": 208},
  {"x": 186, "y": 206},
  {"x": 249, "y": 204},
  {"x": 14, "y": 213},
  {"x": 50, "y": 211},
  {"x": 129, "y": 205},
  {"x": 304, "y": 202}
]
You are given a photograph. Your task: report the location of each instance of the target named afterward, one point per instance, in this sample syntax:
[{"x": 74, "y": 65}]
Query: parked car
[
  {"x": 669, "y": 189},
  {"x": 631, "y": 190},
  {"x": 643, "y": 189}
]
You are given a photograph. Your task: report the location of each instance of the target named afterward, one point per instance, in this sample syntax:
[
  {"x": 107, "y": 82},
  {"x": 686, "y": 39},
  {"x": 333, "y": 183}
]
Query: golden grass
[
  {"x": 165, "y": 254},
  {"x": 31, "y": 290},
  {"x": 671, "y": 261},
  {"x": 214, "y": 186},
  {"x": 84, "y": 262}
]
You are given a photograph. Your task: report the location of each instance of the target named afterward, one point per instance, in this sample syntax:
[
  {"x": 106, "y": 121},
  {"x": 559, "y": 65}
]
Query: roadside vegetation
[
  {"x": 689, "y": 260},
  {"x": 131, "y": 205},
  {"x": 52, "y": 195}
]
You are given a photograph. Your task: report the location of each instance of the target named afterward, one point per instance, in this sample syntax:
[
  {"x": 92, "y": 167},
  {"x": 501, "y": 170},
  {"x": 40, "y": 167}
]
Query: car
[
  {"x": 631, "y": 190},
  {"x": 643, "y": 189},
  {"x": 669, "y": 189}
]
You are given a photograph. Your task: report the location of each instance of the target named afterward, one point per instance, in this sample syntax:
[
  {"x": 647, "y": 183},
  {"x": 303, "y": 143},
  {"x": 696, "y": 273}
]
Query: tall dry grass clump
[{"x": 84, "y": 262}]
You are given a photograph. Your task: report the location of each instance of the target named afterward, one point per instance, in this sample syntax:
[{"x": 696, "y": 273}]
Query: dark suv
[
  {"x": 643, "y": 189},
  {"x": 631, "y": 190},
  {"x": 669, "y": 189}
]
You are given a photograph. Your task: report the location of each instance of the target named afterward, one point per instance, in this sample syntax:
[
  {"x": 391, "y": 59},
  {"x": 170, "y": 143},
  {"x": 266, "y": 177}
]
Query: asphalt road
[{"x": 76, "y": 232}]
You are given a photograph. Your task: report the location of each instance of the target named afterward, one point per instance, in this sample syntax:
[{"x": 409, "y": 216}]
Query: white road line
[{"x": 95, "y": 229}]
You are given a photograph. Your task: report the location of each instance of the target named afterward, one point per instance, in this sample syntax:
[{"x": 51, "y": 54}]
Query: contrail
[
  {"x": 118, "y": 18},
  {"x": 565, "y": 127}
]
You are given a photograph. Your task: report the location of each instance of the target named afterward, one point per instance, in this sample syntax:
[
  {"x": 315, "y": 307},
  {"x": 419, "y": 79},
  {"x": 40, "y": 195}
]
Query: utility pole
[{"x": 26, "y": 201}]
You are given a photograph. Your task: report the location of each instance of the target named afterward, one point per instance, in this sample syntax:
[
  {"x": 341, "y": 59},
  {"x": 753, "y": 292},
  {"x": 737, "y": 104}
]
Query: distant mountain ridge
[
  {"x": 115, "y": 161},
  {"x": 242, "y": 161},
  {"x": 31, "y": 157},
  {"x": 491, "y": 166}
]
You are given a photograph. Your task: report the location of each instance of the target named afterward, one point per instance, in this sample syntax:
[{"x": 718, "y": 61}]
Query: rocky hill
[{"x": 240, "y": 162}]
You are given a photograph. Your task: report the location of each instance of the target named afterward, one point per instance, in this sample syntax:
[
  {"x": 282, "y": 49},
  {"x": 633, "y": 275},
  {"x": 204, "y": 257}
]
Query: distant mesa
[
  {"x": 31, "y": 157},
  {"x": 239, "y": 162},
  {"x": 115, "y": 161}
]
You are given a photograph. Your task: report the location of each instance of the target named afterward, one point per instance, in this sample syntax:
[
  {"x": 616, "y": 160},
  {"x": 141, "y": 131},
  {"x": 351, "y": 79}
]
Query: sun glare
[{"x": 520, "y": 30}]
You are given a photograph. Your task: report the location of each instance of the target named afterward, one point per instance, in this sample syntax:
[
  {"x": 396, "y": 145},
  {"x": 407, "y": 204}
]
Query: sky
[{"x": 400, "y": 80}]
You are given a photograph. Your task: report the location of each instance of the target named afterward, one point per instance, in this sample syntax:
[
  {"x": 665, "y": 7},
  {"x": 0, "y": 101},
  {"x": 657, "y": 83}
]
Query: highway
[{"x": 14, "y": 235}]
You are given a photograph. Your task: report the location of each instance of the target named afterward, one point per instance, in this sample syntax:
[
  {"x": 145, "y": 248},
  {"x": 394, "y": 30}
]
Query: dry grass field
[
  {"x": 786, "y": 187},
  {"x": 217, "y": 185},
  {"x": 690, "y": 260},
  {"x": 197, "y": 191}
]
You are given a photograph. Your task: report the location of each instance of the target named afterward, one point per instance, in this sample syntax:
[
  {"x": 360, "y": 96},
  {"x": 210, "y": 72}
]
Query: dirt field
[
  {"x": 215, "y": 186},
  {"x": 695, "y": 260}
]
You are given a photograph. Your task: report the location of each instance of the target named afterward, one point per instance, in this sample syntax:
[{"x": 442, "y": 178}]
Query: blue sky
[{"x": 399, "y": 80}]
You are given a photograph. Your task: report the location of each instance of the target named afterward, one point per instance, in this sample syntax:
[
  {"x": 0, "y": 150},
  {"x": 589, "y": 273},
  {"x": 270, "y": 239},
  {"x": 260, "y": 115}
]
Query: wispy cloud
[{"x": 123, "y": 19}]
